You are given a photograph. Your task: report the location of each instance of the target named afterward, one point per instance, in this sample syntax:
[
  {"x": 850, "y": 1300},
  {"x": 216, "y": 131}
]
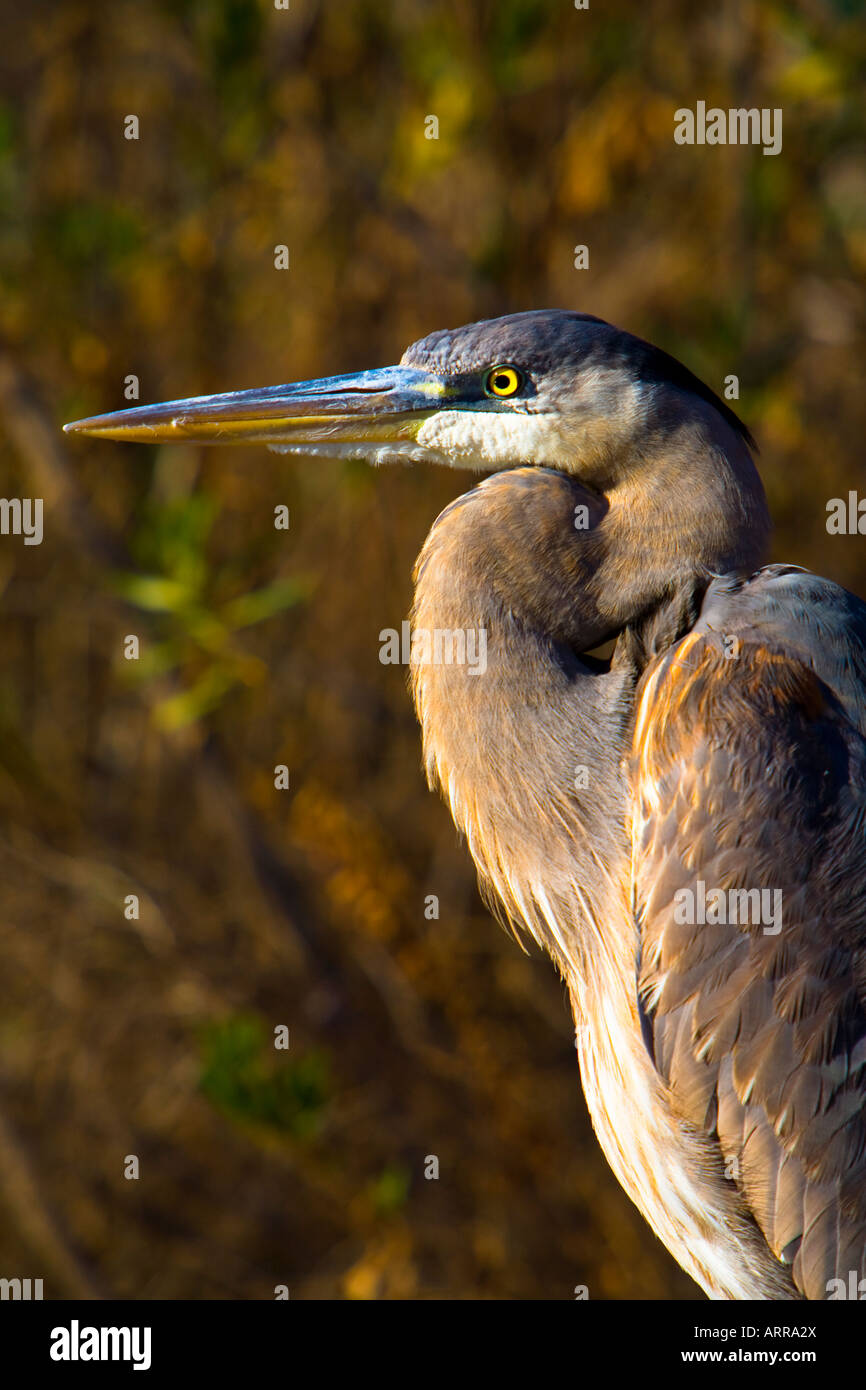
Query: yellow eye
[{"x": 503, "y": 381}]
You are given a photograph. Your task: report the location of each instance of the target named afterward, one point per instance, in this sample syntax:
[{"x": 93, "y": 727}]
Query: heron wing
[{"x": 749, "y": 775}]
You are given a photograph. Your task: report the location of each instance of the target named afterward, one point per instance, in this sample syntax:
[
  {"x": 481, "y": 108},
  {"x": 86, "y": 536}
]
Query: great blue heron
[{"x": 681, "y": 824}]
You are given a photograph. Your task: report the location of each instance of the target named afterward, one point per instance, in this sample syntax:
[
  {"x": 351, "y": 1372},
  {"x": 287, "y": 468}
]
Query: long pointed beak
[{"x": 339, "y": 415}]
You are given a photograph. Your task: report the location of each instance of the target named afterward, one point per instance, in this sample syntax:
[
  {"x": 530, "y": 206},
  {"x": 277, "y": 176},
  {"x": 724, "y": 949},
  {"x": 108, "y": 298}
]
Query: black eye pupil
[{"x": 503, "y": 381}]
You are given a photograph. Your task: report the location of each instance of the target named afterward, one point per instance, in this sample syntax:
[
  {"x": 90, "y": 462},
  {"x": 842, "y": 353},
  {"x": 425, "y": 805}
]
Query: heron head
[
  {"x": 658, "y": 463},
  {"x": 550, "y": 387}
]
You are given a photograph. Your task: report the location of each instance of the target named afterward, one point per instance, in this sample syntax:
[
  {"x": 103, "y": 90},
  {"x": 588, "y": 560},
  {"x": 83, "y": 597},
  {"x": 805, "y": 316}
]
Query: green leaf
[
  {"x": 180, "y": 710},
  {"x": 154, "y": 592},
  {"x": 245, "y": 1079},
  {"x": 264, "y": 603},
  {"x": 391, "y": 1189}
]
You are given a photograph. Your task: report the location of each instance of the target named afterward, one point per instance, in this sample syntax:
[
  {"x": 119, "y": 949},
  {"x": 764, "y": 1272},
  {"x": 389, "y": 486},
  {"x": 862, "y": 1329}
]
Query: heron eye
[{"x": 503, "y": 381}]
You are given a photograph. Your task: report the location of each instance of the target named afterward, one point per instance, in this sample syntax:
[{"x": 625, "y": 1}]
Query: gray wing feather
[{"x": 751, "y": 774}]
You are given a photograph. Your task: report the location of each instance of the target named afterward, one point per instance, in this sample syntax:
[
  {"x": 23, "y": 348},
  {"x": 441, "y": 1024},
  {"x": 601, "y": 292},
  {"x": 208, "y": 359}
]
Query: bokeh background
[{"x": 259, "y": 907}]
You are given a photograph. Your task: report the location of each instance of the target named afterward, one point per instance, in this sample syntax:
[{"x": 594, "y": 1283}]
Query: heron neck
[
  {"x": 534, "y": 740},
  {"x": 532, "y": 730}
]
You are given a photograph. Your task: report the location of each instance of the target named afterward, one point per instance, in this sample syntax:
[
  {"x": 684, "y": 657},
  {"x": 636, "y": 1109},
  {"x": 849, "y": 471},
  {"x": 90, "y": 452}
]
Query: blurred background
[{"x": 410, "y": 1037}]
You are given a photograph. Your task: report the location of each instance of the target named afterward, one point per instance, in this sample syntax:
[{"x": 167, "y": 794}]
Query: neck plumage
[{"x": 529, "y": 749}]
